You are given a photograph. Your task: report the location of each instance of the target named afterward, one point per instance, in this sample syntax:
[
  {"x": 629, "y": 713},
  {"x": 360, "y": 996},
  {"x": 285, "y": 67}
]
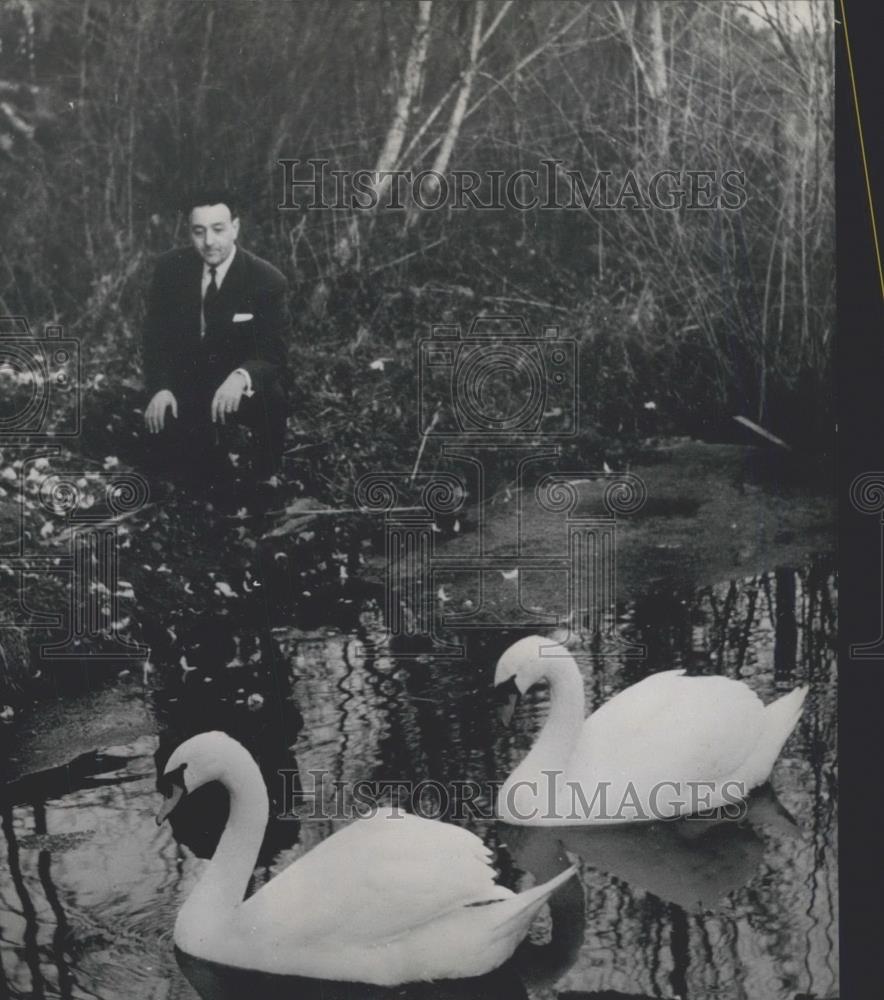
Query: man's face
[{"x": 213, "y": 232}]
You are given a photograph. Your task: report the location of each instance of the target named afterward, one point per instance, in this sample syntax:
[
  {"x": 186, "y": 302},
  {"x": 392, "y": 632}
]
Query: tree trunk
[
  {"x": 440, "y": 164},
  {"x": 411, "y": 80},
  {"x": 657, "y": 79}
]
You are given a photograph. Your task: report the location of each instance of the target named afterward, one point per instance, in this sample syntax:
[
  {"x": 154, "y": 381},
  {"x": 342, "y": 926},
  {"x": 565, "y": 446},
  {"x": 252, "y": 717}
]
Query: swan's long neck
[
  {"x": 226, "y": 878},
  {"x": 560, "y": 732}
]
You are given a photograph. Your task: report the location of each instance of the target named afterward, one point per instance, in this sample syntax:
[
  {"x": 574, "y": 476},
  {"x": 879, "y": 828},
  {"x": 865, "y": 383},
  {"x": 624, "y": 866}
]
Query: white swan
[
  {"x": 389, "y": 899},
  {"x": 670, "y": 745}
]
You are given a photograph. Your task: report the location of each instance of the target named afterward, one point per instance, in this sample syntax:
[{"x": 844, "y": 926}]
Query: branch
[
  {"x": 516, "y": 69},
  {"x": 414, "y": 67},
  {"x": 443, "y": 100}
]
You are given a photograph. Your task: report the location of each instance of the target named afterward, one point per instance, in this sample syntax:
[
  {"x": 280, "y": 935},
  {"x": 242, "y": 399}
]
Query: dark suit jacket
[{"x": 176, "y": 357}]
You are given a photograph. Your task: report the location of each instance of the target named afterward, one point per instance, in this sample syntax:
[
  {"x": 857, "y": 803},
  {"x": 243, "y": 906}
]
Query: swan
[
  {"x": 391, "y": 898},
  {"x": 671, "y": 745}
]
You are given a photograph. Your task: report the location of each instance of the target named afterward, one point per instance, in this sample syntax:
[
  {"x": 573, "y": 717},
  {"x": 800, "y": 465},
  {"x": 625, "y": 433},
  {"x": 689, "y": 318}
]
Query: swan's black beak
[
  {"x": 169, "y": 804},
  {"x": 172, "y": 787},
  {"x": 507, "y": 696}
]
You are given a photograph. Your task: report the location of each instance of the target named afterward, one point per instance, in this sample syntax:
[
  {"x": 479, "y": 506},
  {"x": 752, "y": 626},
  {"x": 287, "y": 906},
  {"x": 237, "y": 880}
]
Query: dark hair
[{"x": 211, "y": 196}]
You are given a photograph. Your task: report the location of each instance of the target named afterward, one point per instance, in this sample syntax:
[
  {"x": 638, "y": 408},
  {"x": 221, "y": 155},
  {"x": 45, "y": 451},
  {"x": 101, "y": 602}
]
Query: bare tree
[{"x": 410, "y": 85}]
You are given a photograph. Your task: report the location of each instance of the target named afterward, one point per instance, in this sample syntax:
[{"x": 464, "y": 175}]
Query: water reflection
[
  {"x": 216, "y": 982},
  {"x": 542, "y": 963},
  {"x": 237, "y": 683},
  {"x": 736, "y": 911},
  {"x": 691, "y": 863}
]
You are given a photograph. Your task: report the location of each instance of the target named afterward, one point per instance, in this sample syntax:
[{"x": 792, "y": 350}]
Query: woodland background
[{"x": 109, "y": 111}]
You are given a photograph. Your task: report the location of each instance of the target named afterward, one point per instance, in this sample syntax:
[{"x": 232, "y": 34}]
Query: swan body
[
  {"x": 669, "y": 746},
  {"x": 391, "y": 898}
]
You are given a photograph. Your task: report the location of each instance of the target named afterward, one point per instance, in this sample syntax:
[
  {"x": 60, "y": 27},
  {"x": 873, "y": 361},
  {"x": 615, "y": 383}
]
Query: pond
[{"x": 736, "y": 911}]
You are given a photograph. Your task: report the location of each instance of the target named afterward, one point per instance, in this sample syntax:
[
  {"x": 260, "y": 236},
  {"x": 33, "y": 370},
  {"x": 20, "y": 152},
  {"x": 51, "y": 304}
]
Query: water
[{"x": 736, "y": 912}]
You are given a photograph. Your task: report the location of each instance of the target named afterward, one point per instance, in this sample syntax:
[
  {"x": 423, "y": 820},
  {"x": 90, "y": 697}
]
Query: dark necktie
[{"x": 209, "y": 300}]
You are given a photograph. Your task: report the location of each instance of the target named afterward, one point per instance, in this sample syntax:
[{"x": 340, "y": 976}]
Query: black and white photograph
[{"x": 421, "y": 475}]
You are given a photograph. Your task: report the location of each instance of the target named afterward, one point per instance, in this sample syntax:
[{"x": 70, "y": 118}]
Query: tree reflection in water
[{"x": 738, "y": 912}]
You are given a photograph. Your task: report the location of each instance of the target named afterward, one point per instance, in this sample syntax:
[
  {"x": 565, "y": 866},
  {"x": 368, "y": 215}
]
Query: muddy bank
[
  {"x": 65, "y": 740},
  {"x": 711, "y": 513}
]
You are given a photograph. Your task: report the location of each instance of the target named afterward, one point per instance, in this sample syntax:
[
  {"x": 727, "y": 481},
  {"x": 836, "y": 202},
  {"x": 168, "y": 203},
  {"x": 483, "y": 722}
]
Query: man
[{"x": 215, "y": 339}]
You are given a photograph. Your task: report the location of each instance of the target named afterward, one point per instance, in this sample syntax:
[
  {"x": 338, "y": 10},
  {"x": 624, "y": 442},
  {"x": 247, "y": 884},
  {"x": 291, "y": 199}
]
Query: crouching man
[{"x": 214, "y": 344}]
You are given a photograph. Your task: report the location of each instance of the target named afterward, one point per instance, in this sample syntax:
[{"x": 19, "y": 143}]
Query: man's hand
[
  {"x": 155, "y": 414},
  {"x": 228, "y": 396}
]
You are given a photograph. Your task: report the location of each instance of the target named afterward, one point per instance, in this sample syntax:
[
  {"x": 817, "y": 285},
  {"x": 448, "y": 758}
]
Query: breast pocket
[
  {"x": 239, "y": 338},
  {"x": 242, "y": 326}
]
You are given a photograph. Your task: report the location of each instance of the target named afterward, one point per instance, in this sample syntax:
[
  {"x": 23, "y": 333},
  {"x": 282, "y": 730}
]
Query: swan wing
[
  {"x": 671, "y": 727},
  {"x": 376, "y": 879}
]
